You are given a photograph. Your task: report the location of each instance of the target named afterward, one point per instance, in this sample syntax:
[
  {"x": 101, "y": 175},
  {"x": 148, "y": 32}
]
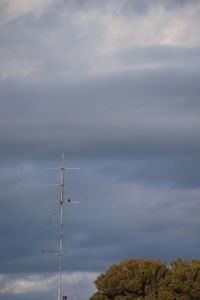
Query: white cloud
[
  {"x": 26, "y": 284},
  {"x": 13, "y": 9},
  {"x": 77, "y": 42}
]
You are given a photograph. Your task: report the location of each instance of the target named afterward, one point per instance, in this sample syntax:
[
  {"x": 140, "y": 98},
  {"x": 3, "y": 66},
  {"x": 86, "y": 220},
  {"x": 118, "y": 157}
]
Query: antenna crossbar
[{"x": 51, "y": 251}]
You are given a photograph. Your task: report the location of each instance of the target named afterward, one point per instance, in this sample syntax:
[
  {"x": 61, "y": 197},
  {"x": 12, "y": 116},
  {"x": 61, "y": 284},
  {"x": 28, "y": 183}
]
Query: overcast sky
[{"x": 115, "y": 85}]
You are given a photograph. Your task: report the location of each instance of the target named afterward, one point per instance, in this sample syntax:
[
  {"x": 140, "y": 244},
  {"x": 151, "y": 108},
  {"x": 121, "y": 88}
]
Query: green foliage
[
  {"x": 185, "y": 278},
  {"x": 139, "y": 279},
  {"x": 99, "y": 296}
]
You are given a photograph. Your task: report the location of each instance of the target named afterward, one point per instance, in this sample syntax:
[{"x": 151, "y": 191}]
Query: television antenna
[{"x": 61, "y": 226}]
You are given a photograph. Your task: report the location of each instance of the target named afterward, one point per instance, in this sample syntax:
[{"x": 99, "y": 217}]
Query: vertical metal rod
[
  {"x": 62, "y": 184},
  {"x": 61, "y": 227}
]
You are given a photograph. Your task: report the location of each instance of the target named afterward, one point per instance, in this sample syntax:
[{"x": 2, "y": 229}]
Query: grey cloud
[
  {"x": 34, "y": 52},
  {"x": 11, "y": 11},
  {"x": 162, "y": 169},
  {"x": 127, "y": 6},
  {"x": 126, "y": 112},
  {"x": 133, "y": 129},
  {"x": 60, "y": 43},
  {"x": 161, "y": 56},
  {"x": 147, "y": 119},
  {"x": 126, "y": 209}
]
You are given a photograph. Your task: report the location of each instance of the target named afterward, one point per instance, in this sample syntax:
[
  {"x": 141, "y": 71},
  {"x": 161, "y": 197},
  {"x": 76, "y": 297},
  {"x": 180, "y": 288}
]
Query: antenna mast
[
  {"x": 62, "y": 186},
  {"x": 61, "y": 227}
]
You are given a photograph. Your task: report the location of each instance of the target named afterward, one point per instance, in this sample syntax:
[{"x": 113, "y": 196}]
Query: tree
[{"x": 139, "y": 279}]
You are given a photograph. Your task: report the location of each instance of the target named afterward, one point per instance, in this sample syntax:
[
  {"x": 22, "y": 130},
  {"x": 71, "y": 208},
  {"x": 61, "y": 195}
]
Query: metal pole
[{"x": 61, "y": 225}]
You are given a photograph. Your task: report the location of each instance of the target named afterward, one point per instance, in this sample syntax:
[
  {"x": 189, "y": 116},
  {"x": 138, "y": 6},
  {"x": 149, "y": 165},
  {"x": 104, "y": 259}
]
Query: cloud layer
[
  {"x": 67, "y": 39},
  {"x": 114, "y": 84}
]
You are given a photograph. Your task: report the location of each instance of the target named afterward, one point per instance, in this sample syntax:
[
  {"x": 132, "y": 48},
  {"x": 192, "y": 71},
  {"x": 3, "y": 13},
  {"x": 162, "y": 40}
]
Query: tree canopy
[{"x": 138, "y": 279}]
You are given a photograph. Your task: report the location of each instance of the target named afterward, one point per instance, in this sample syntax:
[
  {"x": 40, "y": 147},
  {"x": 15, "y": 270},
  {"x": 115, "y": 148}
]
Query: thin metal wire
[{"x": 56, "y": 212}]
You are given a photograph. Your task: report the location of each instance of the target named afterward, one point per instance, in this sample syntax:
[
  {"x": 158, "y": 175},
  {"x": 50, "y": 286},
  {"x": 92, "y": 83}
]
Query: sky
[{"x": 115, "y": 85}]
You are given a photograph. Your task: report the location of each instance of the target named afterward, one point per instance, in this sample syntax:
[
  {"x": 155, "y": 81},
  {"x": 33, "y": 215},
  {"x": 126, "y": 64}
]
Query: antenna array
[{"x": 61, "y": 225}]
